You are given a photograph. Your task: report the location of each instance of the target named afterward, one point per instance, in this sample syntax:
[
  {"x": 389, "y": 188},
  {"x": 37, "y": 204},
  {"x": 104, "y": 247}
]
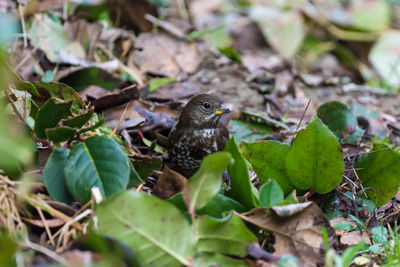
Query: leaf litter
[{"x": 264, "y": 59}]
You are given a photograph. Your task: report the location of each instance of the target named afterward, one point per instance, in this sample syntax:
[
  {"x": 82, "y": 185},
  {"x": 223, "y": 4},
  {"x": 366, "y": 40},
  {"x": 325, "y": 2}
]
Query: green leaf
[
  {"x": 146, "y": 165},
  {"x": 49, "y": 115},
  {"x": 219, "y": 205},
  {"x": 315, "y": 159},
  {"x": 101, "y": 162},
  {"x": 249, "y": 131},
  {"x": 380, "y": 169},
  {"x": 350, "y": 252},
  {"x": 241, "y": 189},
  {"x": 60, "y": 134},
  {"x": 379, "y": 234},
  {"x": 116, "y": 252},
  {"x": 270, "y": 194},
  {"x": 79, "y": 120},
  {"x": 154, "y": 228},
  {"x": 341, "y": 121},
  {"x": 225, "y": 236},
  {"x": 216, "y": 207},
  {"x": 284, "y": 30},
  {"x": 206, "y": 182},
  {"x": 8, "y": 250},
  {"x": 268, "y": 159},
  {"x": 16, "y": 148},
  {"x": 211, "y": 259},
  {"x": 344, "y": 226},
  {"x": 54, "y": 175},
  {"x": 156, "y": 83},
  {"x": 224, "y": 44},
  {"x": 60, "y": 91}
]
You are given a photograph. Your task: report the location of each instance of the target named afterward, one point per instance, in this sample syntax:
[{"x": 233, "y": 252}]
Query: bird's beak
[{"x": 222, "y": 110}]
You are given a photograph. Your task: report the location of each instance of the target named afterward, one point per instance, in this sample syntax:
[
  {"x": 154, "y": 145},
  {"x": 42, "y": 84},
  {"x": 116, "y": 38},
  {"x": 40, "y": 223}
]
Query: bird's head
[{"x": 203, "y": 111}]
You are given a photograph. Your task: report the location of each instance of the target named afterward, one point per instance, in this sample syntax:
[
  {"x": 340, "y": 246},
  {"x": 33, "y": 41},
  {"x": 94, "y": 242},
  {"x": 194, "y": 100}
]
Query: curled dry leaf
[
  {"x": 169, "y": 183},
  {"x": 297, "y": 229}
]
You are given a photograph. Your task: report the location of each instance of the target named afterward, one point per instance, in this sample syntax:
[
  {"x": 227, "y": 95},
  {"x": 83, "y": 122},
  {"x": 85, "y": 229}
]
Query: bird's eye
[{"x": 206, "y": 105}]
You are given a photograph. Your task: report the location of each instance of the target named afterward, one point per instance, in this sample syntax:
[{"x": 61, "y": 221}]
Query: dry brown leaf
[
  {"x": 169, "y": 183},
  {"x": 176, "y": 91},
  {"x": 353, "y": 238},
  {"x": 297, "y": 229},
  {"x": 164, "y": 55}
]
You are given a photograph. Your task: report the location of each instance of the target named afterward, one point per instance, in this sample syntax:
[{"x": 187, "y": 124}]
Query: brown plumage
[{"x": 198, "y": 133}]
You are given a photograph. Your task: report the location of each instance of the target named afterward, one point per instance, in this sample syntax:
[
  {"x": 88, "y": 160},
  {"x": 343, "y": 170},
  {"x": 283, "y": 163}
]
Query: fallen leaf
[
  {"x": 164, "y": 55},
  {"x": 297, "y": 228},
  {"x": 169, "y": 183}
]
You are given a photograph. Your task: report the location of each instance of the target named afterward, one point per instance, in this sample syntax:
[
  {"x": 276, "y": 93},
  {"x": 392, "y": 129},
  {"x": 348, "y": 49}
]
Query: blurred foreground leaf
[
  {"x": 206, "y": 182},
  {"x": 284, "y": 30},
  {"x": 154, "y": 228},
  {"x": 385, "y": 58}
]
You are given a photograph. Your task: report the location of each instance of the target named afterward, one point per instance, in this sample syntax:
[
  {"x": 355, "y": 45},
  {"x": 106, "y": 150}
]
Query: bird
[{"x": 197, "y": 133}]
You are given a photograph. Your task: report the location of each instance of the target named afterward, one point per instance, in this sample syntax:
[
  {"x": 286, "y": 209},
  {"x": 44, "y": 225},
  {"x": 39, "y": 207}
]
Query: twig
[
  {"x": 301, "y": 119},
  {"x": 125, "y": 68},
  {"x": 166, "y": 26},
  {"x": 120, "y": 120},
  {"x": 46, "y": 251},
  {"x": 46, "y": 226}
]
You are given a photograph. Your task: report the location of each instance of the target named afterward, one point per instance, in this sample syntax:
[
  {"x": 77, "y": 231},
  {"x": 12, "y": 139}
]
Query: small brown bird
[{"x": 198, "y": 133}]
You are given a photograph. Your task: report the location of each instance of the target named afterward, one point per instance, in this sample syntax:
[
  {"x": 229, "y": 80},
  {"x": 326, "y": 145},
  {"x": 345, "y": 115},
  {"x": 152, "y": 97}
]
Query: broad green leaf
[
  {"x": 211, "y": 259},
  {"x": 217, "y": 207},
  {"x": 110, "y": 249},
  {"x": 344, "y": 226},
  {"x": 54, "y": 175},
  {"x": 268, "y": 159},
  {"x": 315, "y": 159},
  {"x": 241, "y": 187},
  {"x": 249, "y": 131},
  {"x": 270, "y": 194},
  {"x": 49, "y": 115},
  {"x": 8, "y": 250},
  {"x": 153, "y": 228},
  {"x": 228, "y": 235},
  {"x": 341, "y": 121},
  {"x": 206, "y": 182},
  {"x": 59, "y": 91},
  {"x": 79, "y": 120},
  {"x": 100, "y": 162},
  {"x": 284, "y": 30},
  {"x": 85, "y": 77},
  {"x": 384, "y": 57},
  {"x": 16, "y": 148},
  {"x": 380, "y": 169},
  {"x": 60, "y": 134}
]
